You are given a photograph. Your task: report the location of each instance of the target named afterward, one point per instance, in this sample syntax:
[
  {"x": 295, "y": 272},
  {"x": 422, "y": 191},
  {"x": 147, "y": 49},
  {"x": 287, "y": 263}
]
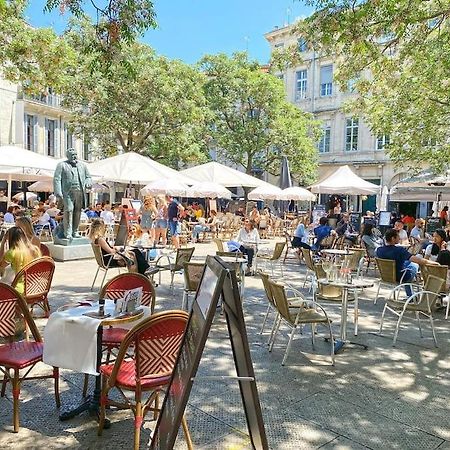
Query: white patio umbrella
[
  {"x": 42, "y": 186},
  {"x": 223, "y": 175},
  {"x": 18, "y": 164},
  {"x": 208, "y": 190},
  {"x": 297, "y": 193},
  {"x": 134, "y": 168},
  {"x": 269, "y": 192},
  {"x": 30, "y": 196},
  {"x": 99, "y": 187},
  {"x": 345, "y": 181},
  {"x": 165, "y": 186}
]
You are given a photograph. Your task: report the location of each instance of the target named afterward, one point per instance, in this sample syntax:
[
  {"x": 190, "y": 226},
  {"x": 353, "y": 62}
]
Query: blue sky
[{"x": 188, "y": 29}]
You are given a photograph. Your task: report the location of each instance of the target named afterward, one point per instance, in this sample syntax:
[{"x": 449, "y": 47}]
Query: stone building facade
[{"x": 346, "y": 139}]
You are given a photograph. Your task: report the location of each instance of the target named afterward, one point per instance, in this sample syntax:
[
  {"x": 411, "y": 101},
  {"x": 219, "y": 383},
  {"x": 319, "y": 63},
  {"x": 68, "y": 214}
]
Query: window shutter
[{"x": 35, "y": 134}]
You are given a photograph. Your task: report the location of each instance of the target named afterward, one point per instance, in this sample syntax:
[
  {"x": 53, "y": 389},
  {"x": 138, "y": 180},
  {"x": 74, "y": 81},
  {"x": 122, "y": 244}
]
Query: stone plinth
[{"x": 70, "y": 252}]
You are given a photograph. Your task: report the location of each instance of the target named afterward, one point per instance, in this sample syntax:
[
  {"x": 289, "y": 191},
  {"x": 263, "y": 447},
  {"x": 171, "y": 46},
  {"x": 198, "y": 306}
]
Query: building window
[
  {"x": 301, "y": 84},
  {"x": 324, "y": 143},
  {"x": 68, "y": 137},
  {"x": 351, "y": 134},
  {"x": 382, "y": 141},
  {"x": 279, "y": 45},
  {"x": 30, "y": 128},
  {"x": 302, "y": 45},
  {"x": 50, "y": 137},
  {"x": 326, "y": 80}
]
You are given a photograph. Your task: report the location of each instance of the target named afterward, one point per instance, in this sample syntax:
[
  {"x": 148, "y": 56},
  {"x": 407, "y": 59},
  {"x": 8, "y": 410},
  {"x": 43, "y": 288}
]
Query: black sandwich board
[
  {"x": 355, "y": 220},
  {"x": 122, "y": 232},
  {"x": 218, "y": 280},
  {"x": 432, "y": 224}
]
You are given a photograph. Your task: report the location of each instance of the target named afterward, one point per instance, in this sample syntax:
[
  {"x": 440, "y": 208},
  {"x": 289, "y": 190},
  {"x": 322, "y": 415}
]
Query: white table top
[{"x": 356, "y": 283}]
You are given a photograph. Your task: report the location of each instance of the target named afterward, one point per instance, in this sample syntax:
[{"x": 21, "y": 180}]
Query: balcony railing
[{"x": 49, "y": 99}]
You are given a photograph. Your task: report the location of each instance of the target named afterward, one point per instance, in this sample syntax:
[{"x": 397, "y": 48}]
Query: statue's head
[{"x": 71, "y": 154}]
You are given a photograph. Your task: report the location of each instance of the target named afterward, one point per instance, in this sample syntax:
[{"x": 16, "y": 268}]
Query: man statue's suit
[{"x": 70, "y": 182}]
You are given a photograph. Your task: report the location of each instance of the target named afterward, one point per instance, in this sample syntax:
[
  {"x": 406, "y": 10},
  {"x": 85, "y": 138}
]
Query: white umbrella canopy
[
  {"x": 30, "y": 196},
  {"x": 208, "y": 189},
  {"x": 165, "y": 186},
  {"x": 42, "y": 186},
  {"x": 345, "y": 181},
  {"x": 223, "y": 175},
  {"x": 134, "y": 168},
  {"x": 19, "y": 160},
  {"x": 266, "y": 193},
  {"x": 297, "y": 193},
  {"x": 99, "y": 187}
]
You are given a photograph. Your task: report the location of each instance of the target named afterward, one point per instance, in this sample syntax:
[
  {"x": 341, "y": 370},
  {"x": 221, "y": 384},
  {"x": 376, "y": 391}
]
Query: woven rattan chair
[
  {"x": 115, "y": 289},
  {"x": 273, "y": 258},
  {"x": 193, "y": 272},
  {"x": 310, "y": 313},
  {"x": 420, "y": 303},
  {"x": 17, "y": 357},
  {"x": 439, "y": 272},
  {"x": 309, "y": 262},
  {"x": 156, "y": 342},
  {"x": 37, "y": 277}
]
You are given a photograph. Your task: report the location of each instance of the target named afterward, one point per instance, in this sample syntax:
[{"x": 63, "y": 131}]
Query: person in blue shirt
[
  {"x": 406, "y": 264},
  {"x": 321, "y": 232}
]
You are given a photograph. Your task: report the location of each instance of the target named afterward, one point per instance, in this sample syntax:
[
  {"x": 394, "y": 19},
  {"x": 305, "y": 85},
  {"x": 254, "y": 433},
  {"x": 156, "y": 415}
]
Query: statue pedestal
[{"x": 69, "y": 250}]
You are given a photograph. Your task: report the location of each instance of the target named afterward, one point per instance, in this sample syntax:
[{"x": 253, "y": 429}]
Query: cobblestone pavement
[{"x": 379, "y": 398}]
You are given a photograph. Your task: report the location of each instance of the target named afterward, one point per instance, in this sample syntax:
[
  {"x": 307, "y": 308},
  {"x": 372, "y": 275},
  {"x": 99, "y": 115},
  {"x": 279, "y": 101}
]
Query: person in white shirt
[
  {"x": 402, "y": 234},
  {"x": 248, "y": 238},
  {"x": 418, "y": 233},
  {"x": 107, "y": 215},
  {"x": 439, "y": 243},
  {"x": 53, "y": 211}
]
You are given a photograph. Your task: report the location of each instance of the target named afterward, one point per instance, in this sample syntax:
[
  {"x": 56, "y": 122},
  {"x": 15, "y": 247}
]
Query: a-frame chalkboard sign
[{"x": 218, "y": 280}]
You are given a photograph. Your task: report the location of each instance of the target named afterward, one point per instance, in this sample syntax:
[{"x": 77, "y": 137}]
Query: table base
[
  {"x": 340, "y": 343},
  {"x": 90, "y": 405}
]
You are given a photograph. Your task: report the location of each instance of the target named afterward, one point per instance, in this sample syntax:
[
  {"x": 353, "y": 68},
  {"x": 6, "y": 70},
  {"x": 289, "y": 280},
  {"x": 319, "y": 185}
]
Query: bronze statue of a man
[{"x": 70, "y": 182}]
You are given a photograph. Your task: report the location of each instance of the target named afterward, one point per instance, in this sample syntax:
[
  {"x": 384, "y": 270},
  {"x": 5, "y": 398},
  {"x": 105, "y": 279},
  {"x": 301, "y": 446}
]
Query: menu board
[
  {"x": 432, "y": 224},
  {"x": 385, "y": 219},
  {"x": 217, "y": 280},
  {"x": 355, "y": 220},
  {"x": 318, "y": 212}
]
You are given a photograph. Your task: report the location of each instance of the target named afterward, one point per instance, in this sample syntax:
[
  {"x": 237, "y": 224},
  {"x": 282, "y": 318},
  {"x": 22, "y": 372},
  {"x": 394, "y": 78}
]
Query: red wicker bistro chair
[
  {"x": 17, "y": 356},
  {"x": 156, "y": 342},
  {"x": 115, "y": 289},
  {"x": 37, "y": 277}
]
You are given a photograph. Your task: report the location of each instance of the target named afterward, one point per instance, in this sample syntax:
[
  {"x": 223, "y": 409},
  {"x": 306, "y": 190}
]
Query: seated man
[
  {"x": 406, "y": 265},
  {"x": 418, "y": 233},
  {"x": 321, "y": 232},
  {"x": 345, "y": 228},
  {"x": 402, "y": 234}
]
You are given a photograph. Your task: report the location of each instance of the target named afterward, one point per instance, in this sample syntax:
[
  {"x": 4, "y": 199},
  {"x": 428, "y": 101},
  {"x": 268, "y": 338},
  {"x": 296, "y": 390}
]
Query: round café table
[
  {"x": 355, "y": 285},
  {"x": 337, "y": 252}
]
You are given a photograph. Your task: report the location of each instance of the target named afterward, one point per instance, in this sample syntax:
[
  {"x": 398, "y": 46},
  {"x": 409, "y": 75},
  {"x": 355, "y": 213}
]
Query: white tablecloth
[{"x": 70, "y": 338}]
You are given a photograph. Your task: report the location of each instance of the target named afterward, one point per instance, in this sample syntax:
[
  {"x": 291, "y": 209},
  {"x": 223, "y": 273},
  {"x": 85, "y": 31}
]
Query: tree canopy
[
  {"x": 404, "y": 47},
  {"x": 147, "y": 104},
  {"x": 253, "y": 124}
]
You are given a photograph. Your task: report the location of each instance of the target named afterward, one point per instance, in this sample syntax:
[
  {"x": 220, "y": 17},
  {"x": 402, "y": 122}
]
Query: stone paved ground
[{"x": 379, "y": 398}]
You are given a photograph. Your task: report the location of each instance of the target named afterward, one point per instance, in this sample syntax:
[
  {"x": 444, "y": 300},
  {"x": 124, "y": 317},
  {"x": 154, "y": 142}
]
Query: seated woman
[
  {"x": 20, "y": 252},
  {"x": 114, "y": 256},
  {"x": 301, "y": 236},
  {"x": 439, "y": 243},
  {"x": 25, "y": 224},
  {"x": 371, "y": 240},
  {"x": 42, "y": 219},
  {"x": 248, "y": 240},
  {"x": 209, "y": 225}
]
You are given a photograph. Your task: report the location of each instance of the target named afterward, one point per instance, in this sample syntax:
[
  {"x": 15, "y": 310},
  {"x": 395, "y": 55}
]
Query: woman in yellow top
[{"x": 20, "y": 252}]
